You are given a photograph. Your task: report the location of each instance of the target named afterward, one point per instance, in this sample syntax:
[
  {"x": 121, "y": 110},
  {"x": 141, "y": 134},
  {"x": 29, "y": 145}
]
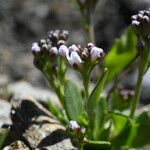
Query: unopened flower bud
[
  {"x": 61, "y": 42},
  {"x": 44, "y": 47},
  {"x": 73, "y": 48},
  {"x": 146, "y": 18},
  {"x": 74, "y": 59},
  {"x": 73, "y": 125},
  {"x": 135, "y": 23},
  {"x": 41, "y": 42},
  {"x": 84, "y": 55},
  {"x": 63, "y": 51},
  {"x": 66, "y": 33},
  {"x": 56, "y": 35},
  {"x": 35, "y": 47},
  {"x": 96, "y": 53},
  {"x": 134, "y": 17},
  {"x": 141, "y": 23},
  {"x": 90, "y": 45},
  {"x": 139, "y": 16},
  {"x": 54, "y": 50},
  {"x": 141, "y": 12}
]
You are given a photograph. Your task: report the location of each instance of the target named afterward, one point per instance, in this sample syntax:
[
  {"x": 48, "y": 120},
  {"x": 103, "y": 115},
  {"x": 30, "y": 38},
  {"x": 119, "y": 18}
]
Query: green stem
[
  {"x": 86, "y": 84},
  {"x": 80, "y": 146},
  {"x": 58, "y": 89},
  {"x": 135, "y": 99},
  {"x": 142, "y": 67},
  {"x": 55, "y": 87},
  {"x": 88, "y": 28}
]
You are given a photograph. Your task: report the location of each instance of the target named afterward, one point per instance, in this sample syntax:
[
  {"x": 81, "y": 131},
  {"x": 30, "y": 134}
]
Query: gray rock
[
  {"x": 37, "y": 127},
  {"x": 5, "y": 108},
  {"x": 26, "y": 22},
  {"x": 18, "y": 145},
  {"x": 24, "y": 89}
]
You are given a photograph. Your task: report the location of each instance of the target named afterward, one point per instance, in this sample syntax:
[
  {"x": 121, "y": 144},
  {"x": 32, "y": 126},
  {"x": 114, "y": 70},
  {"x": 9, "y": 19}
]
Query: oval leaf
[
  {"x": 121, "y": 54},
  {"x": 73, "y": 101}
]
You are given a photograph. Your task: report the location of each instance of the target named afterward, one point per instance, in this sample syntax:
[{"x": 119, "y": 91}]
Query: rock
[
  {"x": 37, "y": 127},
  {"x": 26, "y": 22},
  {"x": 4, "y": 79},
  {"x": 24, "y": 89},
  {"x": 18, "y": 145},
  {"x": 5, "y": 108}
]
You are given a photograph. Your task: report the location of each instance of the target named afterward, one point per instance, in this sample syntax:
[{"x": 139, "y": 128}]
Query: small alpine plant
[{"x": 104, "y": 117}]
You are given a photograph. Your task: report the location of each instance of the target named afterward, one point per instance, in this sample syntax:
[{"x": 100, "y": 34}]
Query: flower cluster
[
  {"x": 46, "y": 49},
  {"x": 76, "y": 55},
  {"x": 141, "y": 22},
  {"x": 75, "y": 130},
  {"x": 51, "y": 44},
  {"x": 52, "y": 55}
]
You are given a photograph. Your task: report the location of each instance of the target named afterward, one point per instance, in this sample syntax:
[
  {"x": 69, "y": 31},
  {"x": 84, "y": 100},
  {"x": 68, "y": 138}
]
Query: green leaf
[
  {"x": 143, "y": 131},
  {"x": 121, "y": 54},
  {"x": 121, "y": 138},
  {"x": 73, "y": 102},
  {"x": 118, "y": 103},
  {"x": 119, "y": 121},
  {"x": 97, "y": 145},
  {"x": 57, "y": 112},
  {"x": 95, "y": 96},
  {"x": 100, "y": 132},
  {"x": 3, "y": 135}
]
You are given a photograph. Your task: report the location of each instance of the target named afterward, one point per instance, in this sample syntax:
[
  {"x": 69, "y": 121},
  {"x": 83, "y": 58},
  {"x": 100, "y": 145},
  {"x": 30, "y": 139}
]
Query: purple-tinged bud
[
  {"x": 73, "y": 125},
  {"x": 146, "y": 18},
  {"x": 41, "y": 42},
  {"x": 134, "y": 17},
  {"x": 96, "y": 53},
  {"x": 65, "y": 32},
  {"x": 141, "y": 24},
  {"x": 61, "y": 42},
  {"x": 147, "y": 13},
  {"x": 139, "y": 16},
  {"x": 45, "y": 47},
  {"x": 35, "y": 47},
  {"x": 84, "y": 55},
  {"x": 63, "y": 51},
  {"x": 90, "y": 45},
  {"x": 74, "y": 59},
  {"x": 73, "y": 48},
  {"x": 141, "y": 12},
  {"x": 54, "y": 50},
  {"x": 135, "y": 23}
]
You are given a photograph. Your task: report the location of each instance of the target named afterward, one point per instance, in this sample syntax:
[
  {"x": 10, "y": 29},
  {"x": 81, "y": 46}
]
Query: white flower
[
  {"x": 35, "y": 47},
  {"x": 63, "y": 51},
  {"x": 54, "y": 50},
  {"x": 74, "y": 59},
  {"x": 96, "y": 53},
  {"x": 73, "y": 48},
  {"x": 73, "y": 125}
]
